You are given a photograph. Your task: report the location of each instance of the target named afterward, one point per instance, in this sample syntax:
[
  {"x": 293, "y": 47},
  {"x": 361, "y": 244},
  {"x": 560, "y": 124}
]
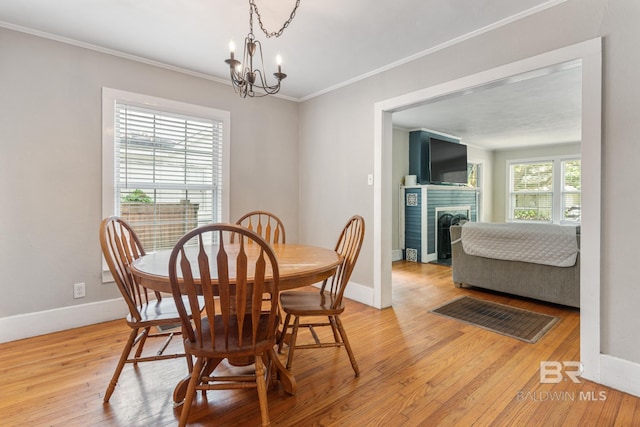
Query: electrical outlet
[{"x": 78, "y": 290}]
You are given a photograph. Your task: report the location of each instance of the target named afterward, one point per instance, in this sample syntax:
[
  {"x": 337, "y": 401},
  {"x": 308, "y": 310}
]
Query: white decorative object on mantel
[{"x": 410, "y": 180}]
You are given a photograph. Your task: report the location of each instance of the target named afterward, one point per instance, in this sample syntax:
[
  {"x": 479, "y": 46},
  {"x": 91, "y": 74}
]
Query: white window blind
[
  {"x": 532, "y": 191},
  {"x": 168, "y": 172}
]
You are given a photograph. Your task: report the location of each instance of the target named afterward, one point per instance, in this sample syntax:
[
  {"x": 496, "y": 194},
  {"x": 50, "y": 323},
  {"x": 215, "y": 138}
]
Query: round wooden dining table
[{"x": 299, "y": 265}]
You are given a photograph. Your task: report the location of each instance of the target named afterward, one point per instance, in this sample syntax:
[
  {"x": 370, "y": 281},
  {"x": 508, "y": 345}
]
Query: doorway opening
[{"x": 589, "y": 53}]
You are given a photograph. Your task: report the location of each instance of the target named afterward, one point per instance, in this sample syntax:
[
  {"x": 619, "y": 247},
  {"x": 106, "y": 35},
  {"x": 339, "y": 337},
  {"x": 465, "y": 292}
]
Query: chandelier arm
[
  {"x": 270, "y": 89},
  {"x": 262, "y": 77}
]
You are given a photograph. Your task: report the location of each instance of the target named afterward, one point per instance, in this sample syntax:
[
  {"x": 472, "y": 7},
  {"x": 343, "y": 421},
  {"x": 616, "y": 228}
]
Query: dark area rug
[{"x": 513, "y": 322}]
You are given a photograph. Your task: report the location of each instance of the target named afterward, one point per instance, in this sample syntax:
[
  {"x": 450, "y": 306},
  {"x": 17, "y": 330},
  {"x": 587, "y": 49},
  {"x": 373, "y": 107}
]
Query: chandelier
[{"x": 245, "y": 79}]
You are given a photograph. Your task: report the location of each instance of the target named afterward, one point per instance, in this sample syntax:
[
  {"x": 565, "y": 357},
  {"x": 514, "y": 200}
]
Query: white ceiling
[
  {"x": 538, "y": 108},
  {"x": 328, "y": 44}
]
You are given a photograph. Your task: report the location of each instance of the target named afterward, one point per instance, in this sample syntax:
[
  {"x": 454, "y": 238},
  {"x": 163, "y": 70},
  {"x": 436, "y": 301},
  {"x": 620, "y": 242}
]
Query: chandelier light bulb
[{"x": 232, "y": 48}]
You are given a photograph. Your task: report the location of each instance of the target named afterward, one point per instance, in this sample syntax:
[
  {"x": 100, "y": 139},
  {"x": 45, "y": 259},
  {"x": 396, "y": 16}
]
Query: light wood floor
[{"x": 417, "y": 368}]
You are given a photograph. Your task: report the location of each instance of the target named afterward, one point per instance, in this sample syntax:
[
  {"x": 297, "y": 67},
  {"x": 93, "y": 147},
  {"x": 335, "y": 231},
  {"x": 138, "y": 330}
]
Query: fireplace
[{"x": 445, "y": 218}]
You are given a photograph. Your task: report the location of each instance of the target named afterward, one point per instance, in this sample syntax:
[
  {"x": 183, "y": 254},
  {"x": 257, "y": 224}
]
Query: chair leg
[
  {"x": 123, "y": 359},
  {"x": 334, "y": 328},
  {"x": 189, "y": 362},
  {"x": 281, "y": 374},
  {"x": 292, "y": 341},
  {"x": 187, "y": 355},
  {"x": 141, "y": 341},
  {"x": 345, "y": 341},
  {"x": 191, "y": 391},
  {"x": 261, "y": 385},
  {"x": 283, "y": 334}
]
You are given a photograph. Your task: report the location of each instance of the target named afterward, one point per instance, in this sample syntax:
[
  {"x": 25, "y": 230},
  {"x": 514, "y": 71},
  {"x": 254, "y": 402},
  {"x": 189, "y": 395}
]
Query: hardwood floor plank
[
  {"x": 629, "y": 410},
  {"x": 417, "y": 368}
]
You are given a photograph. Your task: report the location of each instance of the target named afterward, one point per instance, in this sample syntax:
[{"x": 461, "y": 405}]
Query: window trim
[
  {"x": 109, "y": 98},
  {"x": 556, "y": 192}
]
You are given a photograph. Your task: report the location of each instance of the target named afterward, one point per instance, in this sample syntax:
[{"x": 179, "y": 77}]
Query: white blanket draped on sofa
[{"x": 537, "y": 243}]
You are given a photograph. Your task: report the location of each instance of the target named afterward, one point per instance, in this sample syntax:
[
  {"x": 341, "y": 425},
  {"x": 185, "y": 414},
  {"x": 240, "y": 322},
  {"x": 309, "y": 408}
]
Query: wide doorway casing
[{"x": 589, "y": 53}]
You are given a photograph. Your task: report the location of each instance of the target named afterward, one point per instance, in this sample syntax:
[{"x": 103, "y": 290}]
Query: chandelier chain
[{"x": 253, "y": 6}]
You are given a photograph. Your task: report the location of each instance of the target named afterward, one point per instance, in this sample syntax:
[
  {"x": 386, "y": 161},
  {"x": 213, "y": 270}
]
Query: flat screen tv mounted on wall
[{"x": 448, "y": 162}]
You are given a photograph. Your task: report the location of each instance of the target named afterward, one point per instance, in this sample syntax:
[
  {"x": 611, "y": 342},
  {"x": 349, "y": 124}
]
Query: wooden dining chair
[
  {"x": 265, "y": 224},
  {"x": 326, "y": 303},
  {"x": 147, "y": 309},
  {"x": 237, "y": 322}
]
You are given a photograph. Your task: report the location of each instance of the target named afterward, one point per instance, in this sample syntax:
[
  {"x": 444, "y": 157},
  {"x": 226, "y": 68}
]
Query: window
[
  {"x": 472, "y": 175},
  {"x": 545, "y": 190},
  {"x": 474, "y": 172},
  {"x": 532, "y": 191},
  {"x": 571, "y": 203},
  {"x": 165, "y": 165}
]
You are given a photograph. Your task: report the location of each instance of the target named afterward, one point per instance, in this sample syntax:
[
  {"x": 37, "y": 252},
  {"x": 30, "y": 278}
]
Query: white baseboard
[
  {"x": 396, "y": 255},
  {"x": 360, "y": 293},
  {"x": 44, "y": 322},
  {"x": 620, "y": 374},
  {"x": 357, "y": 292},
  {"x": 430, "y": 257}
]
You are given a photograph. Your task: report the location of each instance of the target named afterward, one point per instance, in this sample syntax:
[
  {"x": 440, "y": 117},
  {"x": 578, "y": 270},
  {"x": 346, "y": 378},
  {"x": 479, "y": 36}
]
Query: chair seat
[
  {"x": 232, "y": 348},
  {"x": 309, "y": 303},
  {"x": 163, "y": 312}
]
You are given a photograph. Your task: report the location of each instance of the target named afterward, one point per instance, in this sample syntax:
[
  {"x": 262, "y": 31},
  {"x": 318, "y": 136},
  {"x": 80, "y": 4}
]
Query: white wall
[
  {"x": 342, "y": 123},
  {"x": 485, "y": 201},
  {"x": 399, "y": 170},
  {"x": 50, "y": 167}
]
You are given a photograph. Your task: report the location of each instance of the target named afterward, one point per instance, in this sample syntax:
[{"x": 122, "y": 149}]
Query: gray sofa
[{"x": 560, "y": 285}]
